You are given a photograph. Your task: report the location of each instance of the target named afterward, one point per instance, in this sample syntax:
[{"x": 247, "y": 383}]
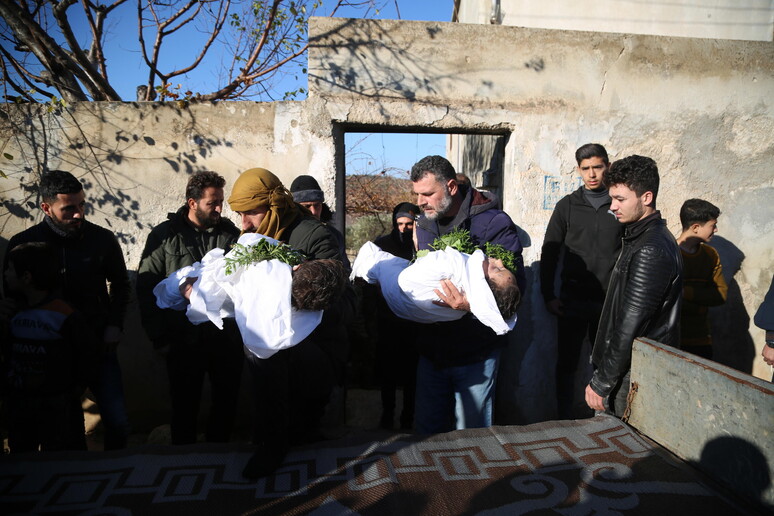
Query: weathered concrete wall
[
  {"x": 727, "y": 19},
  {"x": 135, "y": 160},
  {"x": 701, "y": 108},
  {"x": 712, "y": 416}
]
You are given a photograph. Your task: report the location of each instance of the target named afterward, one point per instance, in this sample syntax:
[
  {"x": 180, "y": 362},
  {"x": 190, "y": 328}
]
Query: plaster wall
[
  {"x": 135, "y": 160},
  {"x": 724, "y": 19},
  {"x": 701, "y": 108}
]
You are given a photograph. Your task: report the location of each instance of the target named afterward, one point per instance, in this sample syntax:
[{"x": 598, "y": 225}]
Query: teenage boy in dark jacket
[
  {"x": 459, "y": 359},
  {"x": 582, "y": 226},
  {"x": 645, "y": 291},
  {"x": 91, "y": 259},
  {"x": 192, "y": 350}
]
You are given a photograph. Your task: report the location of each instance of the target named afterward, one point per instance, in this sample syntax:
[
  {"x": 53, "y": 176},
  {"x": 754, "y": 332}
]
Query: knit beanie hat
[
  {"x": 257, "y": 187},
  {"x": 306, "y": 189}
]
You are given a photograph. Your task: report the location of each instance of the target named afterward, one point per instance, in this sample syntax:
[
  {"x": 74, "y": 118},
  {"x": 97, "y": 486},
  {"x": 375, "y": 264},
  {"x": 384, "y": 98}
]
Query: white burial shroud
[
  {"x": 257, "y": 296},
  {"x": 410, "y": 289}
]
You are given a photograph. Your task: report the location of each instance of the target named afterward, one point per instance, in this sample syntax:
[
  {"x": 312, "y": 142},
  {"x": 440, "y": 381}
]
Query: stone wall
[{"x": 701, "y": 108}]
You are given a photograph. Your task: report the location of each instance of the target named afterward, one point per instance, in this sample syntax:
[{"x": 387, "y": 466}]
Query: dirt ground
[{"x": 363, "y": 410}]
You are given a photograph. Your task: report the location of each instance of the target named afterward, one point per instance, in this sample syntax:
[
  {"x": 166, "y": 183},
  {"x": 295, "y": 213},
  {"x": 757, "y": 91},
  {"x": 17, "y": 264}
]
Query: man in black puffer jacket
[{"x": 645, "y": 291}]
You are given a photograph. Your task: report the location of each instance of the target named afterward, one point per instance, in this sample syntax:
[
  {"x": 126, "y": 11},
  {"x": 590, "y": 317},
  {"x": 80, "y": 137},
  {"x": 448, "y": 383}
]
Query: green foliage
[
  {"x": 499, "y": 252},
  {"x": 261, "y": 251},
  {"x": 459, "y": 239}
]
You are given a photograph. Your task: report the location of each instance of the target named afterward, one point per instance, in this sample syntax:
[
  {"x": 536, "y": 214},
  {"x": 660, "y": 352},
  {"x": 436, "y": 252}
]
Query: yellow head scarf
[{"x": 258, "y": 187}]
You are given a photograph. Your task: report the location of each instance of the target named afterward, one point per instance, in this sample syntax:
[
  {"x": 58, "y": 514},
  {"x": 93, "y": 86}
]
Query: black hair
[
  {"x": 507, "y": 296},
  {"x": 697, "y": 211},
  {"x": 637, "y": 173},
  {"x": 55, "y": 182},
  {"x": 591, "y": 150},
  {"x": 40, "y": 260},
  {"x": 317, "y": 284},
  {"x": 201, "y": 180},
  {"x": 439, "y": 166}
]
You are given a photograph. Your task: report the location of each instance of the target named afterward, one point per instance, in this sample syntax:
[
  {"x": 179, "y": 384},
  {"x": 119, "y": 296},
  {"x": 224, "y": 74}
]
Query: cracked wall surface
[{"x": 701, "y": 108}]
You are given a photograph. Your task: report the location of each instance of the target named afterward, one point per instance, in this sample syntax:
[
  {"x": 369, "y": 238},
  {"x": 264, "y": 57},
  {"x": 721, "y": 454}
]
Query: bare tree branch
[
  {"x": 257, "y": 42},
  {"x": 7, "y": 79},
  {"x": 95, "y": 83},
  {"x": 45, "y": 49}
]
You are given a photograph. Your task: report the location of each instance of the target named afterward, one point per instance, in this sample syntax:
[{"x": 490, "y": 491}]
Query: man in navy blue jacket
[{"x": 458, "y": 364}]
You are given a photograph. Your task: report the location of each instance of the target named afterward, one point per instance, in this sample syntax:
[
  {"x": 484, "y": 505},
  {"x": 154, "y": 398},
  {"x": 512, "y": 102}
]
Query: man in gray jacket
[
  {"x": 645, "y": 291},
  {"x": 192, "y": 351}
]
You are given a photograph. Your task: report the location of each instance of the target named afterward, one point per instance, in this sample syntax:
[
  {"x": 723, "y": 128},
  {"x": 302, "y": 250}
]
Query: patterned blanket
[{"x": 595, "y": 466}]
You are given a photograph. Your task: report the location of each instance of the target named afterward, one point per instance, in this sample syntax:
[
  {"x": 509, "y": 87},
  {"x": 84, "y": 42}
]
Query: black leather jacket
[{"x": 643, "y": 300}]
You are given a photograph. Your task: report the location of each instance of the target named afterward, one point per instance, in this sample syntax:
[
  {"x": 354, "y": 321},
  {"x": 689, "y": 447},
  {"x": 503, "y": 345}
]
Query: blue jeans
[
  {"x": 455, "y": 397},
  {"x": 109, "y": 394}
]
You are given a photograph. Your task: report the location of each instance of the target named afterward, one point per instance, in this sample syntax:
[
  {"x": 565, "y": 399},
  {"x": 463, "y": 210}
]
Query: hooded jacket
[
  {"x": 397, "y": 243},
  {"x": 467, "y": 340},
  {"x": 643, "y": 300}
]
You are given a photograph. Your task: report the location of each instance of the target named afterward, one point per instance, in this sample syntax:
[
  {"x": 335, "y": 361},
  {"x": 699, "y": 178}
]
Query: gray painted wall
[{"x": 701, "y": 108}]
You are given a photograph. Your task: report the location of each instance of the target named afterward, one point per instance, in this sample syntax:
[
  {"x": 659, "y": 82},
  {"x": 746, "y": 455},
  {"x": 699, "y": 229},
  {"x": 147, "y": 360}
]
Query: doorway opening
[{"x": 374, "y": 173}]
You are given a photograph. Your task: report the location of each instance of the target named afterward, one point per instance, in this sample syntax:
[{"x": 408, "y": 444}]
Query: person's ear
[
  {"x": 191, "y": 204},
  {"x": 26, "y": 278},
  {"x": 452, "y": 186},
  {"x": 647, "y": 198},
  {"x": 46, "y": 208}
]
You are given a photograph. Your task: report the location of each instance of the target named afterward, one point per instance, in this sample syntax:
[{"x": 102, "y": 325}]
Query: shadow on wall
[
  {"x": 730, "y": 323},
  {"x": 94, "y": 159},
  {"x": 3, "y": 250},
  {"x": 740, "y": 466},
  {"x": 526, "y": 378}
]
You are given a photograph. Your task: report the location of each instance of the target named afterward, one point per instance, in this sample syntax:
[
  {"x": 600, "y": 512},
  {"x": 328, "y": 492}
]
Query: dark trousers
[
  {"x": 573, "y": 368},
  {"x": 217, "y": 354},
  {"x": 290, "y": 391},
  {"x": 396, "y": 365},
  {"x": 50, "y": 422},
  {"x": 108, "y": 391}
]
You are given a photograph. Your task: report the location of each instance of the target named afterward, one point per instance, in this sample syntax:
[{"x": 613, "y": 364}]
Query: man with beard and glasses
[
  {"x": 192, "y": 351},
  {"x": 458, "y": 359},
  {"x": 91, "y": 260}
]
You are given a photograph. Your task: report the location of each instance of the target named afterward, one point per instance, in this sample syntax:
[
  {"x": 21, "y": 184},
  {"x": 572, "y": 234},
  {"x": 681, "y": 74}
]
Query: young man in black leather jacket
[{"x": 645, "y": 291}]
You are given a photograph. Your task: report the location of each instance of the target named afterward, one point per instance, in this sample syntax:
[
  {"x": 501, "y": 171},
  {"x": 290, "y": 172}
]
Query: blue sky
[
  {"x": 373, "y": 153},
  {"x": 395, "y": 153}
]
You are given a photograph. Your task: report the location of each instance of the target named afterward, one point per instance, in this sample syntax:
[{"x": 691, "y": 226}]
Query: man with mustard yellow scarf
[{"x": 291, "y": 388}]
